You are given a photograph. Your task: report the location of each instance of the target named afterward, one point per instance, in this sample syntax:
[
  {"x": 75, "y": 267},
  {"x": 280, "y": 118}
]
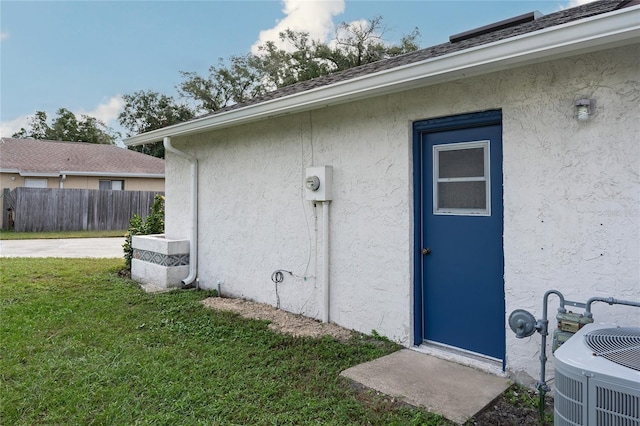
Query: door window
[{"x": 461, "y": 182}]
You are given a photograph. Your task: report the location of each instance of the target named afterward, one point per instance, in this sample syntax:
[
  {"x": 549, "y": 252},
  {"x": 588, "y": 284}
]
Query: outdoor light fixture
[{"x": 584, "y": 108}]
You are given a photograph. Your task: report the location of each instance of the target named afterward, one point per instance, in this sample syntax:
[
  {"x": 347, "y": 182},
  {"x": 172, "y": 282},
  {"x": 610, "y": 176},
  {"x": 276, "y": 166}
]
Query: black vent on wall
[{"x": 511, "y": 22}]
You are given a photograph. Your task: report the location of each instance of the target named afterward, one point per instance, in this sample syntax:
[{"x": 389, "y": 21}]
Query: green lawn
[
  {"x": 80, "y": 345},
  {"x": 11, "y": 235}
]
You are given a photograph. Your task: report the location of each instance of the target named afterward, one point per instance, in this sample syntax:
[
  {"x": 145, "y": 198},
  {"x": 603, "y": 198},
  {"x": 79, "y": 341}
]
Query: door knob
[{"x": 426, "y": 251}]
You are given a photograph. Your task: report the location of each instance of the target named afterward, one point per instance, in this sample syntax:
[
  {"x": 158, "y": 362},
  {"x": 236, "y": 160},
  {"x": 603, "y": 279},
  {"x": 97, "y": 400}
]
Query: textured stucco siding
[
  {"x": 571, "y": 197},
  {"x": 572, "y": 191}
]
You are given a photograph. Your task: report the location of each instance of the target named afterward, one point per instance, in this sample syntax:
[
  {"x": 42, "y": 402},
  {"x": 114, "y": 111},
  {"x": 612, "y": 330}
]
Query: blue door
[{"x": 459, "y": 250}]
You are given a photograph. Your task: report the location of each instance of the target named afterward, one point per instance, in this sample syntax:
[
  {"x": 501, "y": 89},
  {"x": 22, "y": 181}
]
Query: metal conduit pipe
[
  {"x": 543, "y": 329},
  {"x": 325, "y": 261},
  {"x": 610, "y": 301},
  {"x": 193, "y": 241}
]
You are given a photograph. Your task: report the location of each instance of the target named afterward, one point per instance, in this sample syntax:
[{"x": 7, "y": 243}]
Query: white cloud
[
  {"x": 107, "y": 112},
  {"x": 4, "y": 35},
  {"x": 312, "y": 16},
  {"x": 574, "y": 3},
  {"x": 8, "y": 128}
]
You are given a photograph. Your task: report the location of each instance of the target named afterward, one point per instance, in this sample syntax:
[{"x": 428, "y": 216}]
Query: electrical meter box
[{"x": 318, "y": 182}]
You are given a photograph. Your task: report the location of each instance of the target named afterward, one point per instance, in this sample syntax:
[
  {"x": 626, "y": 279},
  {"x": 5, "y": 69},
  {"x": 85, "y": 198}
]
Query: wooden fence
[{"x": 47, "y": 209}]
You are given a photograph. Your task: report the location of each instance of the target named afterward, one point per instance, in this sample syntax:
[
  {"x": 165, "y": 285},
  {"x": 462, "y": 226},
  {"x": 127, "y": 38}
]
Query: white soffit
[{"x": 581, "y": 36}]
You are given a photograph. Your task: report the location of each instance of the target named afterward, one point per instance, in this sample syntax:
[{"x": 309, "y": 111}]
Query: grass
[
  {"x": 81, "y": 345},
  {"x": 12, "y": 235},
  {"x": 522, "y": 397}
]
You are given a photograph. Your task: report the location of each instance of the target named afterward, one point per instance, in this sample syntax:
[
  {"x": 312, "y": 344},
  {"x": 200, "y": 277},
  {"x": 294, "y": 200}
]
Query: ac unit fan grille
[{"x": 619, "y": 345}]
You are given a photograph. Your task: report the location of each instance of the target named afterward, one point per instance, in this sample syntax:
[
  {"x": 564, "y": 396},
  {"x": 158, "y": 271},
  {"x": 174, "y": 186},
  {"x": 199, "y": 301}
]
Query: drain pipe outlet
[{"x": 193, "y": 241}]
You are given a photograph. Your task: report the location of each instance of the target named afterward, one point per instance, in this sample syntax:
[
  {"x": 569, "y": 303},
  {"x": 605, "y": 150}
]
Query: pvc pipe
[
  {"x": 325, "y": 261},
  {"x": 193, "y": 241}
]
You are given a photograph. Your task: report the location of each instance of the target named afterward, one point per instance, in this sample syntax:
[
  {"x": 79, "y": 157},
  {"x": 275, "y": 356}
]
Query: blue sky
[{"x": 84, "y": 55}]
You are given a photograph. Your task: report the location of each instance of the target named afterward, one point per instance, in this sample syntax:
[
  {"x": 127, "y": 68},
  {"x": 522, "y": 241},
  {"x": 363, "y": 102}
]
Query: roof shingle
[{"x": 45, "y": 156}]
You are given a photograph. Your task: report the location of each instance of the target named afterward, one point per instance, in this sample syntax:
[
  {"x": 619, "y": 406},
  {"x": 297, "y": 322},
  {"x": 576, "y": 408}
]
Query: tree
[
  {"x": 66, "y": 127},
  {"x": 283, "y": 67},
  {"x": 38, "y": 127},
  {"x": 242, "y": 78},
  {"x": 362, "y": 43},
  {"x": 237, "y": 82},
  {"x": 149, "y": 110}
]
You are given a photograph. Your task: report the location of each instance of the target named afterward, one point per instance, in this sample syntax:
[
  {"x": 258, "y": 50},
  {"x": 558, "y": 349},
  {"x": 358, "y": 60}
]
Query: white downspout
[
  {"x": 193, "y": 241},
  {"x": 325, "y": 261},
  {"x": 62, "y": 179}
]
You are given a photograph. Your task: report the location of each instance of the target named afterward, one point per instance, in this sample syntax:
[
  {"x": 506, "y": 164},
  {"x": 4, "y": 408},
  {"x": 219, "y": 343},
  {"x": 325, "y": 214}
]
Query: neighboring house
[
  {"x": 468, "y": 179},
  {"x": 55, "y": 164}
]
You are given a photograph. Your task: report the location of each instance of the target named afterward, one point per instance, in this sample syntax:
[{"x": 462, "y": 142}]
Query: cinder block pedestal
[{"x": 158, "y": 261}]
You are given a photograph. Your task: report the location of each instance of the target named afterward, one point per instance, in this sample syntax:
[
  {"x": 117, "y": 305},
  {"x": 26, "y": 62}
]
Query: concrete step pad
[{"x": 454, "y": 391}]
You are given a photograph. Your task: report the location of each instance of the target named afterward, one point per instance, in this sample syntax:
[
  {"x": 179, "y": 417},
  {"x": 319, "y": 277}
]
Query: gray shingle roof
[
  {"x": 44, "y": 156},
  {"x": 546, "y": 21}
]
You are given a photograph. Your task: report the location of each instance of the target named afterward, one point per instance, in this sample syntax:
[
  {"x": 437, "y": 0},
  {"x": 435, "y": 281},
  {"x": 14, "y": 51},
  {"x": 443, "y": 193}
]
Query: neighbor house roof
[
  {"x": 590, "y": 27},
  {"x": 32, "y": 157}
]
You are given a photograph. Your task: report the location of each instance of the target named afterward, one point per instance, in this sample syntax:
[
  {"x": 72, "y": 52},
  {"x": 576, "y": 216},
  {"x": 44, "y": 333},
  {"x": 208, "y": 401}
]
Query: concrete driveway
[{"x": 71, "y": 247}]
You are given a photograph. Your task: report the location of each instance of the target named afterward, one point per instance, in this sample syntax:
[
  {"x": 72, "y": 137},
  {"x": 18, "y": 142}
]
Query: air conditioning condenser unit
[{"x": 597, "y": 377}]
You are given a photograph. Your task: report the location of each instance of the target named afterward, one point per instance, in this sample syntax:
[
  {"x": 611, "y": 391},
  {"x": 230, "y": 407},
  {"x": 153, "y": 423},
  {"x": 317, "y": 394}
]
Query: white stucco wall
[{"x": 571, "y": 197}]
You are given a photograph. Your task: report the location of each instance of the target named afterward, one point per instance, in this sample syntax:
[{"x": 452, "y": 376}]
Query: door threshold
[{"x": 470, "y": 359}]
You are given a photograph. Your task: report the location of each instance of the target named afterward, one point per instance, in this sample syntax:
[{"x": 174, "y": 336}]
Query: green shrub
[{"x": 153, "y": 224}]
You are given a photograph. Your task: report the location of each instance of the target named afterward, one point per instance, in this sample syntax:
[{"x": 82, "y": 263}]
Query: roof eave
[
  {"x": 38, "y": 174},
  {"x": 590, "y": 34},
  {"x": 9, "y": 170},
  {"x": 24, "y": 173},
  {"x": 114, "y": 174}
]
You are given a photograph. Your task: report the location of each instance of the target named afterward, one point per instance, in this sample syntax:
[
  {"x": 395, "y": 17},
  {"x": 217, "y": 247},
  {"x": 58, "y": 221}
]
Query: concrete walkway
[
  {"x": 70, "y": 247},
  {"x": 452, "y": 390}
]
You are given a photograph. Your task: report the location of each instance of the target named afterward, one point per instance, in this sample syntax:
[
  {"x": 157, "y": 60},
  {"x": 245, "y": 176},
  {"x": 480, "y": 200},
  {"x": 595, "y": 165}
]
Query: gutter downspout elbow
[
  {"x": 62, "y": 179},
  {"x": 193, "y": 241}
]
